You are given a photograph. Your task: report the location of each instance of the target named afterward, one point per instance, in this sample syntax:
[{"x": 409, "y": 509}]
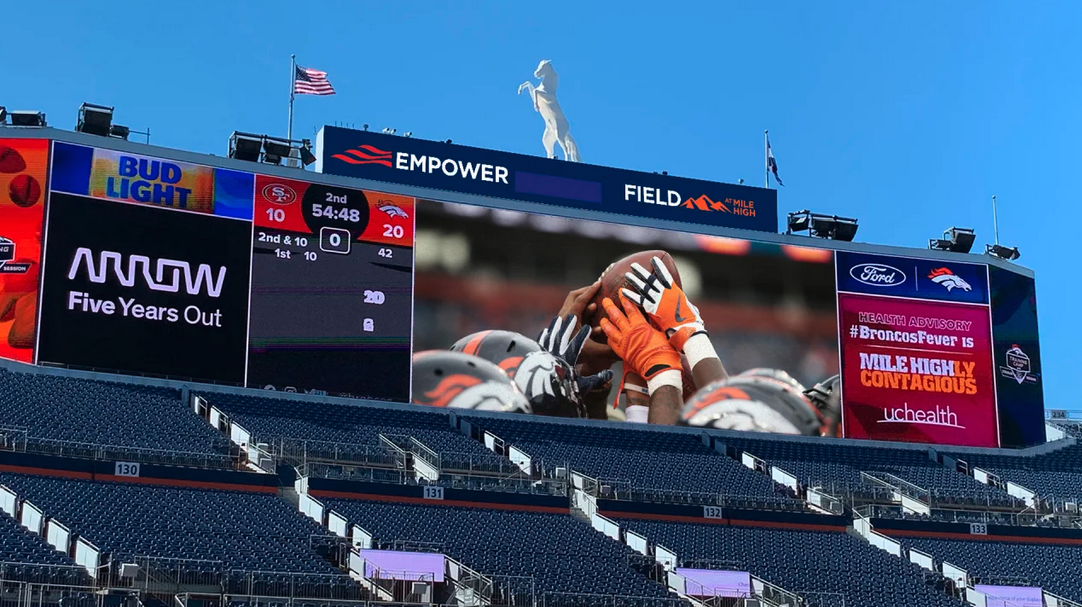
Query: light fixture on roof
[
  {"x": 1002, "y": 252},
  {"x": 26, "y": 118},
  {"x": 95, "y": 119},
  {"x": 830, "y": 227},
  {"x": 955, "y": 240},
  {"x": 245, "y": 146},
  {"x": 275, "y": 149}
]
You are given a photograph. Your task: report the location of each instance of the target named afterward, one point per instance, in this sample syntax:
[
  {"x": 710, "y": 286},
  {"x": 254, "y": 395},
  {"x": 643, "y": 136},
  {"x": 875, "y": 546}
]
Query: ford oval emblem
[{"x": 877, "y": 275}]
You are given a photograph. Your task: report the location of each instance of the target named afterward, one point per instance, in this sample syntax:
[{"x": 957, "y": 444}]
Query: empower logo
[
  {"x": 405, "y": 161},
  {"x": 365, "y": 154},
  {"x": 166, "y": 275}
]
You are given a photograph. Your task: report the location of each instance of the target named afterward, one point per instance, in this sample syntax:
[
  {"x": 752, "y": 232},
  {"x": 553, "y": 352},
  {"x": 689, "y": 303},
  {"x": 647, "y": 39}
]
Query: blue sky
[{"x": 909, "y": 116}]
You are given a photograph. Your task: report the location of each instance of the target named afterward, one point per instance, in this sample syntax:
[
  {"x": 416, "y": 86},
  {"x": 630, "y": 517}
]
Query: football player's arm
[
  {"x": 646, "y": 353},
  {"x": 564, "y": 339},
  {"x": 663, "y": 406},
  {"x": 595, "y": 357},
  {"x": 669, "y": 309}
]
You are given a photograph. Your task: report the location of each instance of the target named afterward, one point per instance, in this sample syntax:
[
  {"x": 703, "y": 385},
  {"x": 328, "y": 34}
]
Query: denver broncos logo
[
  {"x": 949, "y": 280},
  {"x": 448, "y": 388},
  {"x": 510, "y": 365},
  {"x": 392, "y": 209}
]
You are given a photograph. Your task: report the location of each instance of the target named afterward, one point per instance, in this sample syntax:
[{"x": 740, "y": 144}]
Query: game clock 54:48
[{"x": 339, "y": 213}]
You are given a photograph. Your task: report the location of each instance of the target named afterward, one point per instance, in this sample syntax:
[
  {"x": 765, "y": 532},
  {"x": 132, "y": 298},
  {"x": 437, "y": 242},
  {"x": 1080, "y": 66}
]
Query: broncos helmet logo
[
  {"x": 448, "y": 388},
  {"x": 392, "y": 210},
  {"x": 949, "y": 280}
]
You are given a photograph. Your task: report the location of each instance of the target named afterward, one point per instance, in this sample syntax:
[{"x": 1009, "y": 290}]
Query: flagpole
[
  {"x": 766, "y": 158},
  {"x": 995, "y": 218},
  {"x": 292, "y": 87}
]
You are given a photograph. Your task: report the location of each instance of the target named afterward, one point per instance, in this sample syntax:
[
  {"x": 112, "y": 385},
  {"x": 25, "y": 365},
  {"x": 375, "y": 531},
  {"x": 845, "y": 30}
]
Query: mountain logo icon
[{"x": 703, "y": 203}]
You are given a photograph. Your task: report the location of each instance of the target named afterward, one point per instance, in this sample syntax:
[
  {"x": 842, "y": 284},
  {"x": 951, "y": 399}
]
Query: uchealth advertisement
[
  {"x": 23, "y": 167},
  {"x": 917, "y": 371}
]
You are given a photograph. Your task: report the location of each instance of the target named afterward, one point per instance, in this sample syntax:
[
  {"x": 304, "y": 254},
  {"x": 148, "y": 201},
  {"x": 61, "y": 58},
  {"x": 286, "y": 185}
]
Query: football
[
  {"x": 11, "y": 161},
  {"x": 613, "y": 279},
  {"x": 24, "y": 190}
]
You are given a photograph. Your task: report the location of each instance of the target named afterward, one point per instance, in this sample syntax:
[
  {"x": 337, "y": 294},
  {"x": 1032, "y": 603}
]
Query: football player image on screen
[
  {"x": 463, "y": 381},
  {"x": 661, "y": 337},
  {"x": 752, "y": 403},
  {"x": 545, "y": 372}
]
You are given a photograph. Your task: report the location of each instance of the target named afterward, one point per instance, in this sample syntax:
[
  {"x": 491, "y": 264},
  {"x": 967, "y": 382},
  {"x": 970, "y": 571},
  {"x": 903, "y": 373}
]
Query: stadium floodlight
[
  {"x": 27, "y": 118},
  {"x": 1002, "y": 252},
  {"x": 119, "y": 132},
  {"x": 955, "y": 240},
  {"x": 409, "y": 134},
  {"x": 365, "y": 126},
  {"x": 245, "y": 146},
  {"x": 831, "y": 227},
  {"x": 3, "y": 114},
  {"x": 95, "y": 119},
  {"x": 275, "y": 149}
]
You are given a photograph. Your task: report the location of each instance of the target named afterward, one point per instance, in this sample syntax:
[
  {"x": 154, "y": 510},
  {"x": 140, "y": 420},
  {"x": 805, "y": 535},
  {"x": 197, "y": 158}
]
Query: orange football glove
[
  {"x": 664, "y": 302},
  {"x": 643, "y": 348}
]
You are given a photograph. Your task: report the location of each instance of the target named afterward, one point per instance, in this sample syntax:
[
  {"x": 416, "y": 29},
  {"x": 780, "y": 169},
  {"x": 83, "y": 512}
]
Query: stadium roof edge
[{"x": 426, "y": 193}]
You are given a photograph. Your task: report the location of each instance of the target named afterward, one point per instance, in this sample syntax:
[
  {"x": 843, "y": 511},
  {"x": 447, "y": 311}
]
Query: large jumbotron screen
[{"x": 135, "y": 264}]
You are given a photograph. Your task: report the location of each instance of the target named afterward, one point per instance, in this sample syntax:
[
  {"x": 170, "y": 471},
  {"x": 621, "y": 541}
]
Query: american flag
[{"x": 307, "y": 81}]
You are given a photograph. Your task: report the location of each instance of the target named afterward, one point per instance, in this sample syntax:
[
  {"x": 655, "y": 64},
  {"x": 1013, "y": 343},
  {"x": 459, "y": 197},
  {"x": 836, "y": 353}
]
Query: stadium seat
[
  {"x": 820, "y": 564},
  {"x": 563, "y": 554},
  {"x": 96, "y": 414},
  {"x": 217, "y": 530},
  {"x": 1055, "y": 568},
  {"x": 635, "y": 458}
]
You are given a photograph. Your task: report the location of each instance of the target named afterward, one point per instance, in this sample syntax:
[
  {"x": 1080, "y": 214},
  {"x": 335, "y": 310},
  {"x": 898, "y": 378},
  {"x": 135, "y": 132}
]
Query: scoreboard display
[
  {"x": 172, "y": 269},
  {"x": 120, "y": 262}
]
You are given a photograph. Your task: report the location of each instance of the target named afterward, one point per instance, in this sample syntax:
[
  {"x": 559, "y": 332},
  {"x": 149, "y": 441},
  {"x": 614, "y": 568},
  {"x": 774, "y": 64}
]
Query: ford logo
[{"x": 877, "y": 275}]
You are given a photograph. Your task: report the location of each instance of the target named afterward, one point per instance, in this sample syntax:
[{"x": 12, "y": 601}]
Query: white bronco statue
[{"x": 544, "y": 101}]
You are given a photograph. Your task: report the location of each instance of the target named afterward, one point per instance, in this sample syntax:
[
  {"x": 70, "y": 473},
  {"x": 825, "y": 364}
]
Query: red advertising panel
[
  {"x": 917, "y": 371},
  {"x": 23, "y": 167}
]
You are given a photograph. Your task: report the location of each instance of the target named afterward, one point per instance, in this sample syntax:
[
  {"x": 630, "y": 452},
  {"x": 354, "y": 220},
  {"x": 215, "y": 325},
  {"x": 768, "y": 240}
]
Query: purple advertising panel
[
  {"x": 416, "y": 566},
  {"x": 1012, "y": 596},
  {"x": 917, "y": 371},
  {"x": 710, "y": 582}
]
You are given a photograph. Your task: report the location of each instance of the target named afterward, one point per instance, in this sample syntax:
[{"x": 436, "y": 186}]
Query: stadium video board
[
  {"x": 195, "y": 271},
  {"x": 172, "y": 269},
  {"x": 929, "y": 350}
]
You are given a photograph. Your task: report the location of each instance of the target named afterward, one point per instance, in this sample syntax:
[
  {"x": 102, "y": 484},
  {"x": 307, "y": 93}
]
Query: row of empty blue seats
[
  {"x": 223, "y": 530},
  {"x": 644, "y": 459},
  {"x": 268, "y": 418},
  {"x": 561, "y": 553},
  {"x": 104, "y": 413},
  {"x": 1055, "y": 568},
  {"x": 822, "y": 565}
]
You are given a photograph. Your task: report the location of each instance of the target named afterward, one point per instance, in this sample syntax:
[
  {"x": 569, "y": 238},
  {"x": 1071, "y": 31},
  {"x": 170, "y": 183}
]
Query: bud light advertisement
[{"x": 127, "y": 177}]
